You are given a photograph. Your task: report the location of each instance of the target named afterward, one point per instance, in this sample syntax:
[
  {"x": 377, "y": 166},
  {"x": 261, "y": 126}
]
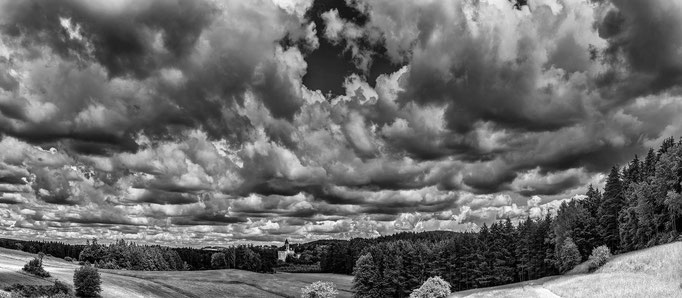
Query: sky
[{"x": 219, "y": 122}]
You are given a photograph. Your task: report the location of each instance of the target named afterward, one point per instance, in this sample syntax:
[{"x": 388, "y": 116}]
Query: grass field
[
  {"x": 652, "y": 272},
  {"x": 181, "y": 284}
]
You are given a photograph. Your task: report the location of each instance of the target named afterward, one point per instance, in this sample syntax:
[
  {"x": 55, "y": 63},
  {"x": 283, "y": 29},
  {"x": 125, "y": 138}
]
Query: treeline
[
  {"x": 132, "y": 256},
  {"x": 53, "y": 248},
  {"x": 339, "y": 256},
  {"x": 252, "y": 258},
  {"x": 496, "y": 255}
]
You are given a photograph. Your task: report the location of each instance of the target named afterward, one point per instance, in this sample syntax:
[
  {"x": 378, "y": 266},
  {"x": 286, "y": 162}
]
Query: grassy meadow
[
  {"x": 652, "y": 272},
  {"x": 171, "y": 284}
]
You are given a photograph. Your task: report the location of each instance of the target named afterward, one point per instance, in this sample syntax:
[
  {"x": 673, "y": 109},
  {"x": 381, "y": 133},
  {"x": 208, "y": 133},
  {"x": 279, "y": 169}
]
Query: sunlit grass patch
[{"x": 654, "y": 272}]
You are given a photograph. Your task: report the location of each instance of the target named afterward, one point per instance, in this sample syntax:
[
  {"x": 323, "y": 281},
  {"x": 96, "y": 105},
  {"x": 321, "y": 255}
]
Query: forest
[{"x": 640, "y": 206}]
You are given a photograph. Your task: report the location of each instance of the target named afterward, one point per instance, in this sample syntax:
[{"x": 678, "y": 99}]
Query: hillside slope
[
  {"x": 651, "y": 272},
  {"x": 180, "y": 284}
]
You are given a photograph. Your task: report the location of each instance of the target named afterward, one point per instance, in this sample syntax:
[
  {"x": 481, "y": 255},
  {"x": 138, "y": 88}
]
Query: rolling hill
[{"x": 180, "y": 284}]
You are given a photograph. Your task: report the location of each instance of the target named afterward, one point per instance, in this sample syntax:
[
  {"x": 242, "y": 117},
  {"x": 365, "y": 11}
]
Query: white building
[{"x": 282, "y": 255}]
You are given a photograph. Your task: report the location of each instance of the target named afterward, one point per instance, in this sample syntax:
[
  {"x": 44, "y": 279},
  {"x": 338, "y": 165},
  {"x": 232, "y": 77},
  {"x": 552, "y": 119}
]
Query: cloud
[
  {"x": 220, "y": 121},
  {"x": 652, "y": 60}
]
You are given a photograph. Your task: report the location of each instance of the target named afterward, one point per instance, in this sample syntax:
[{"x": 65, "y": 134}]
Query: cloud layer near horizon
[{"x": 184, "y": 122}]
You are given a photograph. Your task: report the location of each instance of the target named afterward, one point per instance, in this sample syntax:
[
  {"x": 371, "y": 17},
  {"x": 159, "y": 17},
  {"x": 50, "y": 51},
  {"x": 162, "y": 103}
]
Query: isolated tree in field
[
  {"x": 569, "y": 255},
  {"x": 434, "y": 287},
  {"x": 319, "y": 289},
  {"x": 87, "y": 281},
  {"x": 218, "y": 260},
  {"x": 366, "y": 283}
]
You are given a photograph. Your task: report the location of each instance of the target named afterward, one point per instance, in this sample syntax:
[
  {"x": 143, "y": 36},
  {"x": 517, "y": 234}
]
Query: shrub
[
  {"x": 87, "y": 281},
  {"x": 600, "y": 255},
  {"x": 59, "y": 289},
  {"x": 319, "y": 289},
  {"x": 434, "y": 287},
  {"x": 35, "y": 267},
  {"x": 569, "y": 255}
]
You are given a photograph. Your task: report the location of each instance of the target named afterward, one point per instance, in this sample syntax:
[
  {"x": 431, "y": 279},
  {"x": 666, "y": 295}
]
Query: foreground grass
[{"x": 653, "y": 272}]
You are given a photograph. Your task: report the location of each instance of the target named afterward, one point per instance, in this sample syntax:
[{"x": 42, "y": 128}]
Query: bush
[
  {"x": 59, "y": 289},
  {"x": 434, "y": 287},
  {"x": 87, "y": 281},
  {"x": 319, "y": 289},
  {"x": 600, "y": 255},
  {"x": 35, "y": 267},
  {"x": 569, "y": 255}
]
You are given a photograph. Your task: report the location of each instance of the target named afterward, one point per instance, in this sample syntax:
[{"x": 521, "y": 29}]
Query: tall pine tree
[{"x": 611, "y": 204}]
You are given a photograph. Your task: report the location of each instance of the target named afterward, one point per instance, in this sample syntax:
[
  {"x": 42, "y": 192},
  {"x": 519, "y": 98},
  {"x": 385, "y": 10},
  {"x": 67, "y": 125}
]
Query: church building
[{"x": 282, "y": 255}]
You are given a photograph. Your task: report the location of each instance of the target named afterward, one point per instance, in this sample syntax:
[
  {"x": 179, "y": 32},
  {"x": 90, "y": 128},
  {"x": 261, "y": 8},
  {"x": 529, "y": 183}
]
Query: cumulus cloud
[{"x": 178, "y": 122}]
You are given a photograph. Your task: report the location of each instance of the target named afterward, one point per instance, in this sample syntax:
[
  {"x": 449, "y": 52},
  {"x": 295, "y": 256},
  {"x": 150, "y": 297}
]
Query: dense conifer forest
[{"x": 640, "y": 206}]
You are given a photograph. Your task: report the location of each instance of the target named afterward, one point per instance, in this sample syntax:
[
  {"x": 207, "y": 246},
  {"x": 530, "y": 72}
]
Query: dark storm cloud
[
  {"x": 549, "y": 188},
  {"x": 208, "y": 219},
  {"x": 13, "y": 175},
  {"x": 122, "y": 34},
  {"x": 9, "y": 201},
  {"x": 167, "y": 197},
  {"x": 646, "y": 36},
  {"x": 182, "y": 65},
  {"x": 490, "y": 180},
  {"x": 478, "y": 84},
  {"x": 52, "y": 186}
]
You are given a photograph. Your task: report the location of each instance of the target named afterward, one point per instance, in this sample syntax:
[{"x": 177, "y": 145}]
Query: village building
[{"x": 282, "y": 254}]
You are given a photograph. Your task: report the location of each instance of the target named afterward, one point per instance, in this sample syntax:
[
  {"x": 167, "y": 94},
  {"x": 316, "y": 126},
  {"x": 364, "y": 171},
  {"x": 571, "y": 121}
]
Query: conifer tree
[
  {"x": 649, "y": 168},
  {"x": 611, "y": 204},
  {"x": 366, "y": 278}
]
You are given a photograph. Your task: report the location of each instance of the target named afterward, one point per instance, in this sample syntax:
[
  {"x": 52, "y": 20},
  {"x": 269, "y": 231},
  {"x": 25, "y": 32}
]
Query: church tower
[{"x": 282, "y": 255}]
